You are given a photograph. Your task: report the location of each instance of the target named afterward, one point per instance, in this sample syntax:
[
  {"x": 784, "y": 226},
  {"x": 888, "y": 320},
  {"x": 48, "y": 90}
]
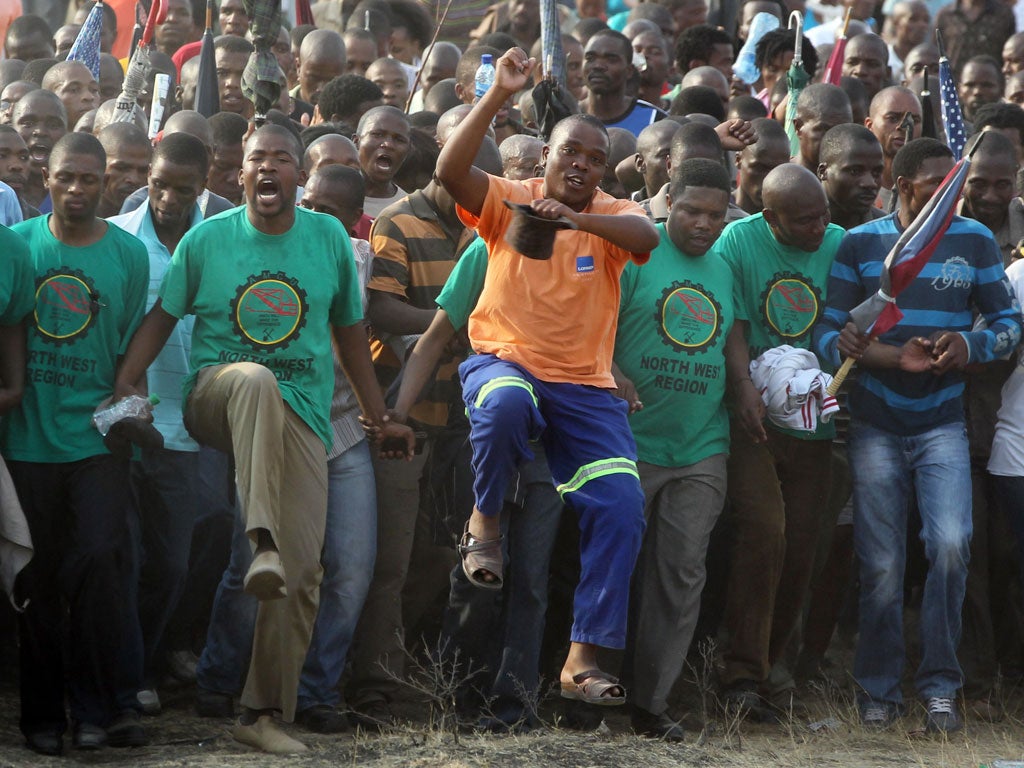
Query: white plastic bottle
[
  {"x": 484, "y": 75},
  {"x": 135, "y": 405}
]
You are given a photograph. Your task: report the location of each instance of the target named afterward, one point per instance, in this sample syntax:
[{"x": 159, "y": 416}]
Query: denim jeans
[
  {"x": 886, "y": 469},
  {"x": 349, "y": 548}
]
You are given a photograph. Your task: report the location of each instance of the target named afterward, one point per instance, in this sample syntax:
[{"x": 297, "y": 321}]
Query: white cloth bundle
[{"x": 793, "y": 388}]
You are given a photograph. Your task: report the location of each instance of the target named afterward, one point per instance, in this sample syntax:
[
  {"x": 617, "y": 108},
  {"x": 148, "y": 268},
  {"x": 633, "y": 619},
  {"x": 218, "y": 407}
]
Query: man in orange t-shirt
[{"x": 544, "y": 332}]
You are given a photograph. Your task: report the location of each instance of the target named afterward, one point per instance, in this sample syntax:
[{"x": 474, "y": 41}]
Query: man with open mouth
[
  {"x": 260, "y": 388},
  {"x": 40, "y": 119}
]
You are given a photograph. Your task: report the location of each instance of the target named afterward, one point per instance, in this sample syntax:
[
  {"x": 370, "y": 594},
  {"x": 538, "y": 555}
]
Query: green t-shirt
[
  {"x": 675, "y": 315},
  {"x": 779, "y": 290},
  {"x": 17, "y": 278},
  {"x": 88, "y": 303},
  {"x": 268, "y": 299},
  {"x": 464, "y": 285}
]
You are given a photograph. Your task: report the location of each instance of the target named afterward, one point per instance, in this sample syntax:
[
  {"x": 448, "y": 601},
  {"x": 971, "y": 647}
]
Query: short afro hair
[
  {"x": 698, "y": 99},
  {"x": 699, "y": 172},
  {"x": 1000, "y": 115},
  {"x": 698, "y": 43},
  {"x": 342, "y": 95},
  {"x": 838, "y": 141},
  {"x": 183, "y": 149},
  {"x": 912, "y": 156},
  {"x": 77, "y": 143},
  {"x": 780, "y": 41}
]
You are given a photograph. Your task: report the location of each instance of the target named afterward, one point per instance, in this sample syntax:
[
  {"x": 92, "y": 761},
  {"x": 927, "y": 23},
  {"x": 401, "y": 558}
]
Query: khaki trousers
[{"x": 281, "y": 474}]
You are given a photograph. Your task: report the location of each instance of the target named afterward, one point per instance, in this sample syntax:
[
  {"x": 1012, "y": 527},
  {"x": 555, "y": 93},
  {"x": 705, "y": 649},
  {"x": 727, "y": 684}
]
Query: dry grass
[{"x": 181, "y": 739}]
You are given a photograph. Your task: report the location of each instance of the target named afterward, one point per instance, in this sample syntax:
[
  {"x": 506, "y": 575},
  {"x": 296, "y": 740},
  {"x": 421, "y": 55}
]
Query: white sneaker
[{"x": 149, "y": 700}]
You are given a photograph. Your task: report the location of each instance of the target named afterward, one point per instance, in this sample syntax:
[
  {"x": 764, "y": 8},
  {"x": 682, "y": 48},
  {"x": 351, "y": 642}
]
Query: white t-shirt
[{"x": 1007, "y": 458}]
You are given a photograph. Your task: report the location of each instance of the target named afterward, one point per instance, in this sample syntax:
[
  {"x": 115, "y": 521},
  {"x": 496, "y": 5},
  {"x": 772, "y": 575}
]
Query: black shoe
[
  {"x": 88, "y": 736},
  {"x": 45, "y": 742},
  {"x": 656, "y": 726},
  {"x": 742, "y": 700},
  {"x": 127, "y": 730},
  {"x": 375, "y": 714},
  {"x": 943, "y": 715},
  {"x": 214, "y": 704},
  {"x": 322, "y": 718}
]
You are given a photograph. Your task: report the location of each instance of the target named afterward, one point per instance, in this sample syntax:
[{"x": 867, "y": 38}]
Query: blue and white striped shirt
[{"x": 964, "y": 275}]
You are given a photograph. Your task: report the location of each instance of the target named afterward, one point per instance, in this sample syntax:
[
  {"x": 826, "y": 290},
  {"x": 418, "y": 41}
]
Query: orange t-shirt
[{"x": 556, "y": 318}]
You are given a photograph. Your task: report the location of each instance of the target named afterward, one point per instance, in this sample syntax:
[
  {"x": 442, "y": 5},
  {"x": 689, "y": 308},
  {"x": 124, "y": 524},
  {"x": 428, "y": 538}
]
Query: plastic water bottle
[
  {"x": 744, "y": 68},
  {"x": 135, "y": 405},
  {"x": 484, "y": 75}
]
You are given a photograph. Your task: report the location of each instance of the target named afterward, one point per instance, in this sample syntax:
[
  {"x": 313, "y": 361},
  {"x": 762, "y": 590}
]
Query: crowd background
[{"x": 366, "y": 97}]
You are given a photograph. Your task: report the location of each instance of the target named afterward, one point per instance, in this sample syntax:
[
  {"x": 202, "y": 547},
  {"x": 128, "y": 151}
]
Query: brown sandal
[
  {"x": 481, "y": 557},
  {"x": 591, "y": 687}
]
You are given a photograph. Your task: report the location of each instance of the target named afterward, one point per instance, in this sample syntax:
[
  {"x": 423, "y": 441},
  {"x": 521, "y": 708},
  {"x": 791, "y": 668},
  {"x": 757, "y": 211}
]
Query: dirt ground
[{"x": 179, "y": 738}]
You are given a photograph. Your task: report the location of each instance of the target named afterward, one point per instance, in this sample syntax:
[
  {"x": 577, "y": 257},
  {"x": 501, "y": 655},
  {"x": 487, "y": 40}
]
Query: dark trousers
[
  {"x": 78, "y": 515},
  {"x": 165, "y": 484},
  {"x": 779, "y": 491},
  {"x": 500, "y": 633}
]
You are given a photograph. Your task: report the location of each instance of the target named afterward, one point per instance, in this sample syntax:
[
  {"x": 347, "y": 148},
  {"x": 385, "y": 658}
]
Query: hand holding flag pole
[{"x": 879, "y": 313}]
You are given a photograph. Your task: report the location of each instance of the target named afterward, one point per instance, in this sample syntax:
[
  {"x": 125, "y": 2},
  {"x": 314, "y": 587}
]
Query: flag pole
[{"x": 426, "y": 53}]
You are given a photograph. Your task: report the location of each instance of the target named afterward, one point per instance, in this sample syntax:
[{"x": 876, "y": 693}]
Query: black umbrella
[{"x": 207, "y": 101}]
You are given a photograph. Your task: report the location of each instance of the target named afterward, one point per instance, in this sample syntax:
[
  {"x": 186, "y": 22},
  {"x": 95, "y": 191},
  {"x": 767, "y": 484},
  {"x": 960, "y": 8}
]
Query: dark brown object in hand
[{"x": 531, "y": 235}]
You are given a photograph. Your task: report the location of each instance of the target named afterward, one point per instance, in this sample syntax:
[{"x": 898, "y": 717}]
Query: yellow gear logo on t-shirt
[
  {"x": 790, "y": 305},
  {"x": 66, "y": 305},
  {"x": 689, "y": 319},
  {"x": 269, "y": 310}
]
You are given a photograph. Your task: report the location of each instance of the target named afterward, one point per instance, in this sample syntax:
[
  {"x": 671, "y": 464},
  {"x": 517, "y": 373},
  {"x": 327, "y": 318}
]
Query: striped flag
[
  {"x": 952, "y": 115},
  {"x": 86, "y": 48},
  {"x": 878, "y": 313}
]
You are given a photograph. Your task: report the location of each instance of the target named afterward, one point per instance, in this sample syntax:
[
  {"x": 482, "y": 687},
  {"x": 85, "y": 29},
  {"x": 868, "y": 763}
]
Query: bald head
[
  {"x": 450, "y": 120},
  {"x": 789, "y": 186},
  {"x": 820, "y": 99},
  {"x": 795, "y": 207},
  {"x": 75, "y": 86},
  {"x": 709, "y": 77},
  {"x": 440, "y": 64},
  {"x": 867, "y": 59},
  {"x": 321, "y": 59},
  {"x": 332, "y": 149},
  {"x": 520, "y": 156},
  {"x": 887, "y": 111},
  {"x": 192, "y": 123},
  {"x": 656, "y": 134},
  {"x": 322, "y": 44}
]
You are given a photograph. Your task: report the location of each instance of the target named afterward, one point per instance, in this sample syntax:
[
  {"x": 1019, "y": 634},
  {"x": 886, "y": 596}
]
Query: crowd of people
[{"x": 525, "y": 375}]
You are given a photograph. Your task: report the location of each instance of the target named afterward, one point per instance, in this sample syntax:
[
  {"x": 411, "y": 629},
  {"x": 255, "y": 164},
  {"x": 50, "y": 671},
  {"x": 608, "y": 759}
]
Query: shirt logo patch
[
  {"x": 66, "y": 306},
  {"x": 584, "y": 264},
  {"x": 269, "y": 310},
  {"x": 956, "y": 273},
  {"x": 791, "y": 305},
  {"x": 689, "y": 319}
]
